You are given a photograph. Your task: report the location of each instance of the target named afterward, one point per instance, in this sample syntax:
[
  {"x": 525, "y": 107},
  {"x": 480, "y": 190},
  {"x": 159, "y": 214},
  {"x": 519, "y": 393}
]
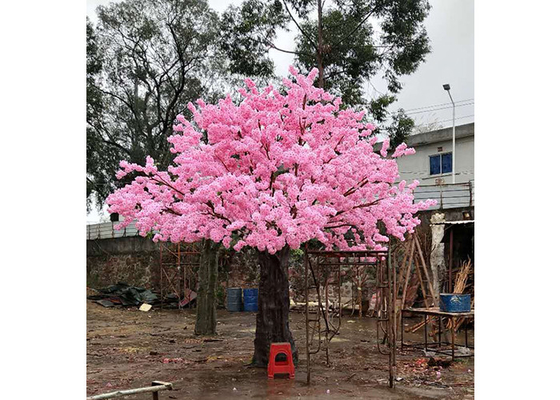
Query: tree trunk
[
  {"x": 321, "y": 80},
  {"x": 207, "y": 285},
  {"x": 274, "y": 305}
]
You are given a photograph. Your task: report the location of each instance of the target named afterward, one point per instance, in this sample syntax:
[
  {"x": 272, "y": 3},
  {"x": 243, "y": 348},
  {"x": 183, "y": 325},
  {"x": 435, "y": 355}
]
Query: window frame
[{"x": 440, "y": 156}]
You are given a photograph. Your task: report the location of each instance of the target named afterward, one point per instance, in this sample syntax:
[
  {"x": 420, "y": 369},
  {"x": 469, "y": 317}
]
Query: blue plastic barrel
[
  {"x": 251, "y": 300},
  {"x": 451, "y": 302},
  {"x": 234, "y": 300}
]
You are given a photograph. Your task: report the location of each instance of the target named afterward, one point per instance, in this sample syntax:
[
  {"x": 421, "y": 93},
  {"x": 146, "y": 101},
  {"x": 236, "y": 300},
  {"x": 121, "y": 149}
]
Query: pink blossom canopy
[{"x": 275, "y": 170}]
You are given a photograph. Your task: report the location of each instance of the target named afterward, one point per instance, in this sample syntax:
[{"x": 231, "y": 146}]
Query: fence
[
  {"x": 106, "y": 230},
  {"x": 457, "y": 195}
]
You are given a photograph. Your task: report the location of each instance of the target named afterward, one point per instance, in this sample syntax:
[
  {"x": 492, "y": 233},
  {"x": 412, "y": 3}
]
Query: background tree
[
  {"x": 146, "y": 59},
  {"x": 349, "y": 41},
  {"x": 271, "y": 173},
  {"x": 94, "y": 111},
  {"x": 400, "y": 128},
  {"x": 433, "y": 125},
  {"x": 206, "y": 299}
]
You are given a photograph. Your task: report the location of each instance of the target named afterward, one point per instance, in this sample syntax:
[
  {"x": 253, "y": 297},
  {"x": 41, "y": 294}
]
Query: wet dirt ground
[{"x": 128, "y": 348}]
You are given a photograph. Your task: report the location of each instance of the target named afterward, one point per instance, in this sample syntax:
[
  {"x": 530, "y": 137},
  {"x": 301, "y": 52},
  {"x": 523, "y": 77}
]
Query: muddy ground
[{"x": 128, "y": 348}]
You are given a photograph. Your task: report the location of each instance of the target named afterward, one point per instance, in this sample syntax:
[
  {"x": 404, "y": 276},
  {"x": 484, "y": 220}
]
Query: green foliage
[
  {"x": 297, "y": 253},
  {"x": 220, "y": 296},
  {"x": 354, "y": 41},
  {"x": 400, "y": 128},
  {"x": 94, "y": 65},
  {"x": 146, "y": 59},
  {"x": 247, "y": 33},
  {"x": 378, "y": 107},
  {"x": 349, "y": 55}
]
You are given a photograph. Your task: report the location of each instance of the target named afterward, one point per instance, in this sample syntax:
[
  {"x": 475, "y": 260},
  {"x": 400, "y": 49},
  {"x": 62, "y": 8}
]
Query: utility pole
[{"x": 447, "y": 88}]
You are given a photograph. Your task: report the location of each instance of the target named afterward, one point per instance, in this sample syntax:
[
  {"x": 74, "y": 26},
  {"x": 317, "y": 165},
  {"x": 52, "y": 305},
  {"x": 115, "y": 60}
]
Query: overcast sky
[{"x": 450, "y": 27}]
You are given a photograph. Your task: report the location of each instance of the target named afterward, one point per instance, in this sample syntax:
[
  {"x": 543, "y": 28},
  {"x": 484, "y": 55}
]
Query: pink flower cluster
[{"x": 275, "y": 170}]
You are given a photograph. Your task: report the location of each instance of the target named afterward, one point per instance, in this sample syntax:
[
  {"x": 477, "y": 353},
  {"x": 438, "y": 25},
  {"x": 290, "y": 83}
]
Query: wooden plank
[{"x": 437, "y": 311}]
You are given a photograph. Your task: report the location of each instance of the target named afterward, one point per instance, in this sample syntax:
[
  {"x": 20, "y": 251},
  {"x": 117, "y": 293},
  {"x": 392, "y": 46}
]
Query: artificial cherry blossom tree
[{"x": 275, "y": 171}]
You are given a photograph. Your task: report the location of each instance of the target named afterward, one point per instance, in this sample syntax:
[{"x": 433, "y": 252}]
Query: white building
[
  {"x": 431, "y": 165},
  {"x": 452, "y": 220}
]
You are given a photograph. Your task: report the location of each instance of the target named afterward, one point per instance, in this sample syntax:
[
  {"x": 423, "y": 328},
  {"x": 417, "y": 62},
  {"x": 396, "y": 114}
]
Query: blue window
[
  {"x": 435, "y": 165},
  {"x": 446, "y": 162},
  {"x": 441, "y": 164}
]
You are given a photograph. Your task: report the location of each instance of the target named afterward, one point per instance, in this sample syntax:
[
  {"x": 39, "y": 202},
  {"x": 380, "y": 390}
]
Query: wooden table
[{"x": 437, "y": 313}]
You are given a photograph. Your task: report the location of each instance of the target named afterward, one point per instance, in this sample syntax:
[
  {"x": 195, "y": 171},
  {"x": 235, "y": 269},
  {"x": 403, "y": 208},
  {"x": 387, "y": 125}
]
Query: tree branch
[
  {"x": 272, "y": 45},
  {"x": 358, "y": 206},
  {"x": 355, "y": 29},
  {"x": 299, "y": 27},
  {"x": 214, "y": 213}
]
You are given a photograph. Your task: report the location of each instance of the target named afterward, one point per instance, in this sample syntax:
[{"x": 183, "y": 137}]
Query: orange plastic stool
[{"x": 280, "y": 367}]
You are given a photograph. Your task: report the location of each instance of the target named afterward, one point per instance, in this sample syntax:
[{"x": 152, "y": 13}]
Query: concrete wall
[{"x": 417, "y": 166}]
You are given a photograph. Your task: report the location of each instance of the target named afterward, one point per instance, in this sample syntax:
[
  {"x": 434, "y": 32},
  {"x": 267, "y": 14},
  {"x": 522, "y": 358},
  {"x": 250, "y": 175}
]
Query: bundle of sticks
[
  {"x": 460, "y": 287},
  {"x": 461, "y": 283},
  {"x": 462, "y": 277}
]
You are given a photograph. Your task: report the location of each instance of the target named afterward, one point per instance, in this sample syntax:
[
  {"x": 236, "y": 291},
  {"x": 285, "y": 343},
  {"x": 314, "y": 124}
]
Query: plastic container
[
  {"x": 251, "y": 300},
  {"x": 234, "y": 300},
  {"x": 451, "y": 302}
]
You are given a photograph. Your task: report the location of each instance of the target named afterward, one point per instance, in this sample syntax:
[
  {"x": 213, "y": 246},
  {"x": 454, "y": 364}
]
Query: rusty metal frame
[
  {"x": 384, "y": 308},
  {"x": 177, "y": 262},
  {"x": 437, "y": 346}
]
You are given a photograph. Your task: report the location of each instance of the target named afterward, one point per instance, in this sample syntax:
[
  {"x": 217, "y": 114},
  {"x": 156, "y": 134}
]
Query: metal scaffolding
[
  {"x": 322, "y": 322},
  {"x": 178, "y": 276}
]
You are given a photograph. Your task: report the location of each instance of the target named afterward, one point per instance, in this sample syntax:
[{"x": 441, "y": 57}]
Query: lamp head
[{"x": 446, "y": 86}]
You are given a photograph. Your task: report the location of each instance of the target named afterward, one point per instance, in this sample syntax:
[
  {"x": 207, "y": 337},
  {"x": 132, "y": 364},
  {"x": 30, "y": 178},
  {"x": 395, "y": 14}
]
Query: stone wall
[{"x": 134, "y": 260}]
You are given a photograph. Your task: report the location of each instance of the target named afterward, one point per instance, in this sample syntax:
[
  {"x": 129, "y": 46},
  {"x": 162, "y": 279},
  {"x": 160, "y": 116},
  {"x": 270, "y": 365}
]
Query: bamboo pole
[
  {"x": 407, "y": 276},
  {"x": 396, "y": 286},
  {"x": 402, "y": 270},
  {"x": 157, "y": 386},
  {"x": 429, "y": 319},
  {"x": 419, "y": 273},
  {"x": 425, "y": 269}
]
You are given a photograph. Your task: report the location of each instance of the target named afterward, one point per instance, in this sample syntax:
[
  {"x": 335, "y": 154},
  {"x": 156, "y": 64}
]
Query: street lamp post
[{"x": 447, "y": 88}]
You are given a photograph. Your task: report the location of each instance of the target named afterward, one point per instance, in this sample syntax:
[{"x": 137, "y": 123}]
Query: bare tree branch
[{"x": 299, "y": 27}]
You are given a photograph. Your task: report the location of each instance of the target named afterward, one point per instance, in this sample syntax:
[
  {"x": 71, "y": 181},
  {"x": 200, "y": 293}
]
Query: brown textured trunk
[
  {"x": 207, "y": 285},
  {"x": 274, "y": 305}
]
